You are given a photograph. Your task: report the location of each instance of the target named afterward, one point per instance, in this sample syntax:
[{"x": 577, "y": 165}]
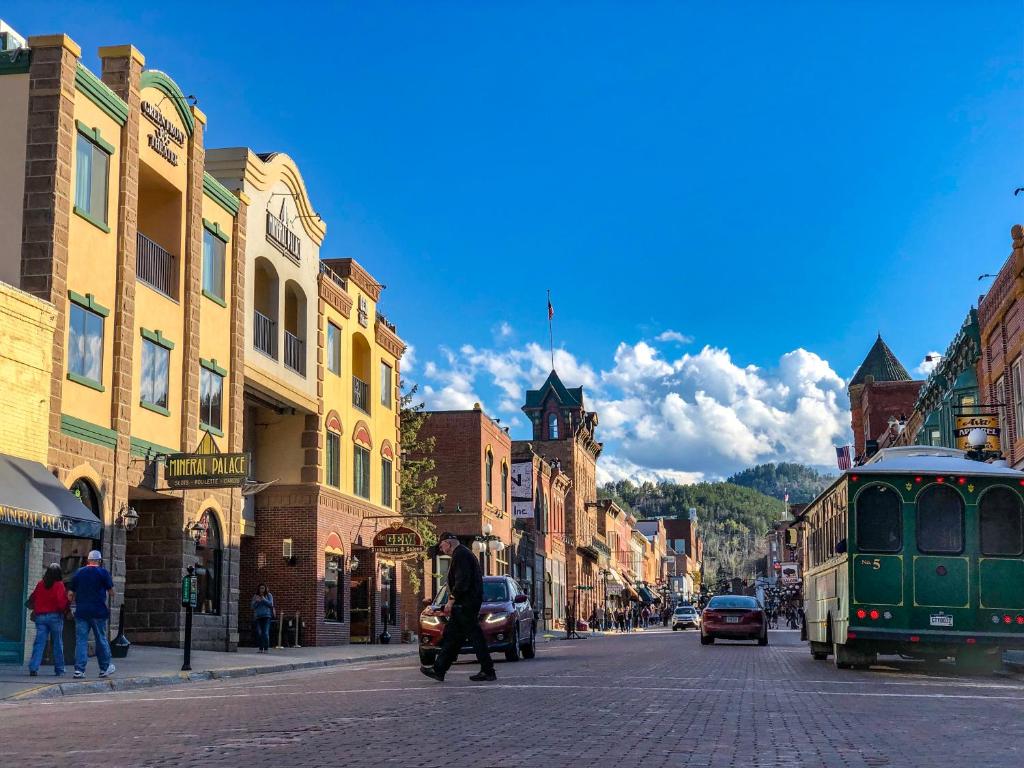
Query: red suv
[
  {"x": 733, "y": 617},
  {"x": 505, "y": 617}
]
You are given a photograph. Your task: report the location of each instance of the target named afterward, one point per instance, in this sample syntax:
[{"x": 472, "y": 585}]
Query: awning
[
  {"x": 646, "y": 595},
  {"x": 614, "y": 577},
  {"x": 30, "y": 497}
]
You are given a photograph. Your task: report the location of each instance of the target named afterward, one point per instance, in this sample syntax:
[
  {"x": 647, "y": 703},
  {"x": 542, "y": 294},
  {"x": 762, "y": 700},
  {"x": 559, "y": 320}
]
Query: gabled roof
[
  {"x": 567, "y": 397},
  {"x": 882, "y": 364}
]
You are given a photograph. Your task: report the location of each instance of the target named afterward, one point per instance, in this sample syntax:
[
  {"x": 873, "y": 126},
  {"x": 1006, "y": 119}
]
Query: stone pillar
[
  {"x": 48, "y": 190},
  {"x": 193, "y": 283},
  {"x": 312, "y": 443},
  {"x": 122, "y": 70}
]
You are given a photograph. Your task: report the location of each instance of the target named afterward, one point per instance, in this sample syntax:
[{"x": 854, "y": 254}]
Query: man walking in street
[
  {"x": 465, "y": 595},
  {"x": 89, "y": 589}
]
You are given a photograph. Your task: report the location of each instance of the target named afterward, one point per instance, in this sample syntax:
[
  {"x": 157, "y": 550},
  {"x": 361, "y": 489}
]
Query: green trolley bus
[{"x": 917, "y": 552}]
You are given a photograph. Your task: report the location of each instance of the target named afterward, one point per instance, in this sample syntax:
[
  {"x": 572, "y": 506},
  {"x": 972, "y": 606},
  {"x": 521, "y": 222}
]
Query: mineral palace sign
[
  {"x": 214, "y": 470},
  {"x": 38, "y": 521},
  {"x": 398, "y": 542},
  {"x": 166, "y": 132}
]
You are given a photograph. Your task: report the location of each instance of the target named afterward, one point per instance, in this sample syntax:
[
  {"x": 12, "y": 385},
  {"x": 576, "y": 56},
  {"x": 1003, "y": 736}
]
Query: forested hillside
[{"x": 801, "y": 482}]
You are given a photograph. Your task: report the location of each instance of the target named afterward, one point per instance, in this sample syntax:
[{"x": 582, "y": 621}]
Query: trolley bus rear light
[
  {"x": 915, "y": 638},
  {"x": 1022, "y": 482},
  {"x": 855, "y": 478},
  {"x": 918, "y": 479},
  {"x": 962, "y": 480},
  {"x": 971, "y": 641},
  {"x": 1020, "y": 619},
  {"x": 887, "y": 615},
  {"x": 940, "y": 479},
  {"x": 1007, "y": 619},
  {"x": 874, "y": 615},
  {"x": 861, "y": 613},
  {"x": 851, "y": 635}
]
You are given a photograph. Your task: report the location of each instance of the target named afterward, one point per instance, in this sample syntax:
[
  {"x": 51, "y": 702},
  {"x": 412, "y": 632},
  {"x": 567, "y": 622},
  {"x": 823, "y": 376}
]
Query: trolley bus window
[
  {"x": 940, "y": 521},
  {"x": 1002, "y": 527},
  {"x": 879, "y": 522}
]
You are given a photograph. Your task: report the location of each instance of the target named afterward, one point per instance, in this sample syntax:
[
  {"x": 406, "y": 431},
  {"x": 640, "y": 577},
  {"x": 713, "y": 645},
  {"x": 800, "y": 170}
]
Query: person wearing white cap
[{"x": 89, "y": 589}]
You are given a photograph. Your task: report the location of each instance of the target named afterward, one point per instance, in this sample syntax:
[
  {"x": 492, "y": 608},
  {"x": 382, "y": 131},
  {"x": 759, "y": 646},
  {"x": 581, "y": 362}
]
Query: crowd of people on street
[{"x": 629, "y": 618}]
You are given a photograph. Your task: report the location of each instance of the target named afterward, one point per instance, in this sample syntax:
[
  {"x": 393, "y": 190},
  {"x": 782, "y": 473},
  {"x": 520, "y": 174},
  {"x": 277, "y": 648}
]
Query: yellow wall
[
  {"x": 273, "y": 432},
  {"x": 26, "y": 341},
  {"x": 13, "y": 127},
  {"x": 215, "y": 320},
  {"x": 92, "y": 260}
]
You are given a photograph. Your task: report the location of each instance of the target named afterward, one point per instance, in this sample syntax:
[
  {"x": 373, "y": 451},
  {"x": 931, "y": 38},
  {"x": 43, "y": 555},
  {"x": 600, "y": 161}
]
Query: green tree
[{"x": 417, "y": 479}]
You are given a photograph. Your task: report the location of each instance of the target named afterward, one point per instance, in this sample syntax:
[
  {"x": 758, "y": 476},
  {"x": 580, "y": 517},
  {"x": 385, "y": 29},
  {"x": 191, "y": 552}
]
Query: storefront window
[
  {"x": 334, "y": 593},
  {"x": 209, "y": 558}
]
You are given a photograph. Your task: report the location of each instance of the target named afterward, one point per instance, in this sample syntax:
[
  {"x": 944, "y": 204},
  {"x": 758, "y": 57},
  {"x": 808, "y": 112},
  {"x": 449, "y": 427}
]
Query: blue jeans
[
  {"x": 99, "y": 631},
  {"x": 48, "y": 625},
  {"x": 263, "y": 632}
]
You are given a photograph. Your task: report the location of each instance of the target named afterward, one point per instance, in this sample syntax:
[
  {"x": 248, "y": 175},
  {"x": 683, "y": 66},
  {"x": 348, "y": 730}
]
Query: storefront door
[
  {"x": 359, "y": 597},
  {"x": 13, "y": 566}
]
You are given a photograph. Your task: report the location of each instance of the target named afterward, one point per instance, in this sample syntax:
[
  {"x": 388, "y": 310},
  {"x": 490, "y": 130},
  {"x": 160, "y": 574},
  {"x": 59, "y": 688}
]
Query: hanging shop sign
[
  {"x": 398, "y": 542},
  {"x": 206, "y": 468},
  {"x": 986, "y": 421}
]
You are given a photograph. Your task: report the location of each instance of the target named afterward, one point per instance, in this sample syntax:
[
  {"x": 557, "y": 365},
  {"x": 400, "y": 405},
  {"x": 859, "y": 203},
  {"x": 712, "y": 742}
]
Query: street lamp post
[
  {"x": 486, "y": 544},
  {"x": 605, "y": 573}
]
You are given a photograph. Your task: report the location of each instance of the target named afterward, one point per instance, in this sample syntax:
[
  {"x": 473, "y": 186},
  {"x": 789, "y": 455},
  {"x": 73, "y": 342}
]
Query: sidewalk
[{"x": 150, "y": 666}]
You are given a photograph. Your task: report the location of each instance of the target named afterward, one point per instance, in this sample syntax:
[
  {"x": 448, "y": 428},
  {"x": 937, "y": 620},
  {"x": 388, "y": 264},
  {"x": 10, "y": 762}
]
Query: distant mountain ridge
[{"x": 801, "y": 482}]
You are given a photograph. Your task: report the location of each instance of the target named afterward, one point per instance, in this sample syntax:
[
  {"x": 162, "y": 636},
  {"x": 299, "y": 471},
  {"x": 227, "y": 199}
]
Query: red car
[
  {"x": 733, "y": 617},
  {"x": 505, "y": 617}
]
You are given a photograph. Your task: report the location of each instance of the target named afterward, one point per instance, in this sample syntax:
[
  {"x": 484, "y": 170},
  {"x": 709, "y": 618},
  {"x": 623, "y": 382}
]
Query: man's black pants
[{"x": 463, "y": 624}]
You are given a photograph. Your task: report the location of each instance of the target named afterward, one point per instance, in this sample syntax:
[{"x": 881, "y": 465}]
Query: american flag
[
  {"x": 843, "y": 457},
  {"x": 551, "y": 309}
]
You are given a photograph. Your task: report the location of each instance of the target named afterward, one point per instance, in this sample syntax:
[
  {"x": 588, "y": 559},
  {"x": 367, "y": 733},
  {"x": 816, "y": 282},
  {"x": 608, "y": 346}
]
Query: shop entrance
[
  {"x": 13, "y": 567},
  {"x": 361, "y": 583}
]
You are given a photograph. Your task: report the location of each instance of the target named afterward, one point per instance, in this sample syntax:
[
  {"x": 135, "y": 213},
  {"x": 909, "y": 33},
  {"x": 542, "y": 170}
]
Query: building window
[
  {"x": 92, "y": 167},
  {"x": 552, "y": 426},
  {"x": 213, "y": 265},
  {"x": 155, "y": 372},
  {"x": 361, "y": 472},
  {"x": 333, "y": 348},
  {"x": 333, "y": 459},
  {"x": 489, "y": 477},
  {"x": 1017, "y": 387},
  {"x": 1004, "y": 435},
  {"x": 209, "y": 559},
  {"x": 385, "y": 385},
  {"x": 85, "y": 347},
  {"x": 385, "y": 482},
  {"x": 334, "y": 594},
  {"x": 504, "y": 487},
  {"x": 211, "y": 393}
]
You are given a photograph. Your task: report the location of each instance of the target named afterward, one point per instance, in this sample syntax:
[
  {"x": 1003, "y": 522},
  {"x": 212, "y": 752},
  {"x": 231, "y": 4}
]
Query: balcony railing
[
  {"x": 294, "y": 353},
  {"x": 264, "y": 334},
  {"x": 154, "y": 266},
  {"x": 279, "y": 234},
  {"x": 361, "y": 395}
]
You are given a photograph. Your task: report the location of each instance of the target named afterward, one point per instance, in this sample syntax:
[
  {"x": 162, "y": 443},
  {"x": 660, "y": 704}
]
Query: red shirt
[{"x": 52, "y": 600}]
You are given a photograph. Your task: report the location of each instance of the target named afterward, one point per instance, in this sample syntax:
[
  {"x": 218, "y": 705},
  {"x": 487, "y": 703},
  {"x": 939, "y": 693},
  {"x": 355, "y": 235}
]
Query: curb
[{"x": 152, "y": 681}]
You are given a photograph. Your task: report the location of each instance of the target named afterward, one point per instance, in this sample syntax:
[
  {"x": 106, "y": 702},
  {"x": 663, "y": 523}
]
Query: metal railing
[
  {"x": 264, "y": 334},
  {"x": 155, "y": 266},
  {"x": 294, "y": 353},
  {"x": 361, "y": 394},
  {"x": 279, "y": 234}
]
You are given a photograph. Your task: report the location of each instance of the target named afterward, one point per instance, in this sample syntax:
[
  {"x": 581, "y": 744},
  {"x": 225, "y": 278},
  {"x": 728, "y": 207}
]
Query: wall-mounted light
[
  {"x": 128, "y": 518},
  {"x": 288, "y": 551},
  {"x": 196, "y": 529},
  {"x": 353, "y": 563}
]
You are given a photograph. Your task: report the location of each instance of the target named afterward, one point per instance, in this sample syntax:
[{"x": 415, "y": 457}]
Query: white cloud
[
  {"x": 612, "y": 468},
  {"x": 685, "y": 417},
  {"x": 927, "y": 366},
  {"x": 409, "y": 359},
  {"x": 676, "y": 336},
  {"x": 503, "y": 331}
]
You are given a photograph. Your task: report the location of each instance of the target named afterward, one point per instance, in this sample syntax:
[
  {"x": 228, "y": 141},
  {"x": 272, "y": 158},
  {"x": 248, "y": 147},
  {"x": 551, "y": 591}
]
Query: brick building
[
  {"x": 881, "y": 390},
  {"x": 563, "y": 430},
  {"x": 686, "y": 549}
]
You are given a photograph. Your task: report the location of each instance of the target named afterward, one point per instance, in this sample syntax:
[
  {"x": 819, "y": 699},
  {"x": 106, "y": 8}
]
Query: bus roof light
[
  {"x": 918, "y": 479},
  {"x": 855, "y": 478},
  {"x": 940, "y": 479},
  {"x": 961, "y": 480}
]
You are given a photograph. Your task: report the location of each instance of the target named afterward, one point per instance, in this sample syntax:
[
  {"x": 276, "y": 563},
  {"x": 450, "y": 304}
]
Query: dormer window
[{"x": 552, "y": 426}]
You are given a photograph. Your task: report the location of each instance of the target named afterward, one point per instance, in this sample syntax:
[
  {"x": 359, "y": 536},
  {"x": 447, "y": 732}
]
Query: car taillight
[{"x": 710, "y": 615}]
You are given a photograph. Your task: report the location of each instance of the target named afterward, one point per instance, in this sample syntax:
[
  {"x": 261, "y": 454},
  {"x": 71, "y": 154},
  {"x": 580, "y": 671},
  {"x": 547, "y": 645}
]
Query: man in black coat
[{"x": 465, "y": 595}]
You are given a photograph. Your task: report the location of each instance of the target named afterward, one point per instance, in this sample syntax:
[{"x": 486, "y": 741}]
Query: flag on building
[
  {"x": 551, "y": 309},
  {"x": 843, "y": 457}
]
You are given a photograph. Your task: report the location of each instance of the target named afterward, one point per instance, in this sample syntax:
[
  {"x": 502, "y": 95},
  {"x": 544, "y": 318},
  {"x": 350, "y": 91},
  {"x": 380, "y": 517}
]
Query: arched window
[
  {"x": 334, "y": 580},
  {"x": 552, "y": 426},
  {"x": 940, "y": 521},
  {"x": 1001, "y": 523},
  {"x": 209, "y": 562},
  {"x": 879, "y": 522},
  {"x": 489, "y": 477},
  {"x": 504, "y": 487}
]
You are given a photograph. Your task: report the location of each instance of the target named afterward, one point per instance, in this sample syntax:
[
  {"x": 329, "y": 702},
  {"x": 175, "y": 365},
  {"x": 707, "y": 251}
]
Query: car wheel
[
  {"x": 427, "y": 658},
  {"x": 674, "y": 628},
  {"x": 763, "y": 640},
  {"x": 512, "y": 654},
  {"x": 707, "y": 640},
  {"x": 529, "y": 650}
]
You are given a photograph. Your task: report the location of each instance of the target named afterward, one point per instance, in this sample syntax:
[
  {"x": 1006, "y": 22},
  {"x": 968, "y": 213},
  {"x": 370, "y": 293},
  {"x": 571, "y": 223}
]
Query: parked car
[
  {"x": 733, "y": 617},
  {"x": 506, "y": 618},
  {"x": 685, "y": 617}
]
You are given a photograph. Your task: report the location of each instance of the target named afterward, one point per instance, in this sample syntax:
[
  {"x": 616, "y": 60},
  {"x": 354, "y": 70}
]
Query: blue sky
[{"x": 765, "y": 180}]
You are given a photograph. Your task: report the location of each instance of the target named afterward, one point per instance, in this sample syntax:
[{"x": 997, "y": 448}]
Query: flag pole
[{"x": 551, "y": 332}]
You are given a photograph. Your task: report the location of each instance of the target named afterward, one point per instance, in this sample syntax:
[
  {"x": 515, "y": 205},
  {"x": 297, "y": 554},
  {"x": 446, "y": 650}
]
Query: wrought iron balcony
[
  {"x": 294, "y": 353},
  {"x": 279, "y": 234},
  {"x": 155, "y": 266},
  {"x": 361, "y": 394},
  {"x": 264, "y": 334}
]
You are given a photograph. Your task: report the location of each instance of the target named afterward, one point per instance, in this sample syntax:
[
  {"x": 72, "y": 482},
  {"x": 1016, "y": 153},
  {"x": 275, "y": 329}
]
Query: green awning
[{"x": 30, "y": 497}]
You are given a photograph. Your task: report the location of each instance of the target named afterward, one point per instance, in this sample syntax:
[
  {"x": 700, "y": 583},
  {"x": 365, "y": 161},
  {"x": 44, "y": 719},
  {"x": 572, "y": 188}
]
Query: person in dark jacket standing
[{"x": 465, "y": 595}]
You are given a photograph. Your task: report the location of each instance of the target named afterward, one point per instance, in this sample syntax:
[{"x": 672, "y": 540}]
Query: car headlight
[
  {"x": 430, "y": 621},
  {"x": 496, "y": 618}
]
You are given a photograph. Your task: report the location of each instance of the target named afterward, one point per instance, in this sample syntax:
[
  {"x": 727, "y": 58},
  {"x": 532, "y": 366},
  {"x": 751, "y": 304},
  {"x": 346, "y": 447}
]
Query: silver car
[{"x": 685, "y": 617}]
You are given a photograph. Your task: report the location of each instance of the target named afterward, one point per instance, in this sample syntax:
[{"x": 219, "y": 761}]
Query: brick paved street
[{"x": 653, "y": 699}]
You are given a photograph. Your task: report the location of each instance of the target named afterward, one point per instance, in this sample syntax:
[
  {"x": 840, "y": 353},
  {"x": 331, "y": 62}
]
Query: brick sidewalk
[{"x": 151, "y": 666}]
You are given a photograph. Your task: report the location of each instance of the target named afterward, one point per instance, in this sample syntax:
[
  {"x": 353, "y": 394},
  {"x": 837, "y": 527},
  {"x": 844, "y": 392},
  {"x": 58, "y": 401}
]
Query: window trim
[
  {"x": 489, "y": 476},
  {"x": 917, "y": 521},
  {"x": 214, "y": 229},
  {"x": 92, "y": 135}
]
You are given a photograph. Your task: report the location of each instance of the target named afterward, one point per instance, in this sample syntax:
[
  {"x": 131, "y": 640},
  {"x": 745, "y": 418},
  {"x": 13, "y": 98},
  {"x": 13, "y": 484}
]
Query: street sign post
[{"x": 189, "y": 599}]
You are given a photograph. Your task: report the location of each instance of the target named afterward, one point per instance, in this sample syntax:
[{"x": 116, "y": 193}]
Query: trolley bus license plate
[
  {"x": 732, "y": 619},
  {"x": 941, "y": 620}
]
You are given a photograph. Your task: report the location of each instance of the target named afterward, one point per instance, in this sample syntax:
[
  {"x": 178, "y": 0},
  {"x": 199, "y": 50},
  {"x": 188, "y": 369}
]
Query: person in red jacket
[{"x": 49, "y": 603}]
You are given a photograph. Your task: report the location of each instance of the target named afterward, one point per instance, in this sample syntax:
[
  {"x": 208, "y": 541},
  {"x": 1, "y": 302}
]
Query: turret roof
[
  {"x": 881, "y": 364},
  {"x": 567, "y": 397}
]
